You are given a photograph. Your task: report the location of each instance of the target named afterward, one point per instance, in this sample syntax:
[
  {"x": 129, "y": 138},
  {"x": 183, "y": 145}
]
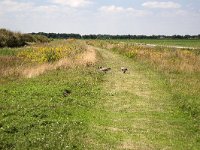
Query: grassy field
[
  {"x": 193, "y": 43},
  {"x": 35, "y": 113},
  {"x": 137, "y": 110},
  {"x": 155, "y": 105},
  {"x": 179, "y": 66}
]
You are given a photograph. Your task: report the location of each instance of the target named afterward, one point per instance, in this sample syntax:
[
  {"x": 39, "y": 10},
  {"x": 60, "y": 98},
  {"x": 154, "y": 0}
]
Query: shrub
[
  {"x": 40, "y": 38},
  {"x": 15, "y": 39},
  {"x": 11, "y": 39}
]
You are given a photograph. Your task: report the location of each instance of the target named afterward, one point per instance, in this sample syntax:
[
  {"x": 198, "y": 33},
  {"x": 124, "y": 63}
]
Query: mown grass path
[{"x": 136, "y": 112}]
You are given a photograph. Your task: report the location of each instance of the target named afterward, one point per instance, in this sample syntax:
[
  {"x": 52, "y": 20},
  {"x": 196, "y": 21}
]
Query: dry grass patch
[
  {"x": 89, "y": 57},
  {"x": 9, "y": 65},
  {"x": 85, "y": 59},
  {"x": 42, "y": 68},
  {"x": 38, "y": 59},
  {"x": 130, "y": 145}
]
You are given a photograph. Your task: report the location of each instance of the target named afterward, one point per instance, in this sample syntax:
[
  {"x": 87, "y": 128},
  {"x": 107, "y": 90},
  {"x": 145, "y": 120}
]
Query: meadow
[
  {"x": 179, "y": 66},
  {"x": 191, "y": 43},
  {"x": 155, "y": 105},
  {"x": 34, "y": 110}
]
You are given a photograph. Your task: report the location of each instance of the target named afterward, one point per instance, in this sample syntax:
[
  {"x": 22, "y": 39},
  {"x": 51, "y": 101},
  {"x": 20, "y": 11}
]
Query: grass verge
[{"x": 35, "y": 114}]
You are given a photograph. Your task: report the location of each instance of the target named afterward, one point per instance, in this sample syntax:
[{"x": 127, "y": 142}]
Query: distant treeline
[
  {"x": 104, "y": 36},
  {"x": 16, "y": 39}
]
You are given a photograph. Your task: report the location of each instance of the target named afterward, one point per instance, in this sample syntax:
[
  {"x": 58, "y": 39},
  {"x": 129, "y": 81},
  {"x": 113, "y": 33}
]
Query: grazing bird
[
  {"x": 124, "y": 69},
  {"x": 104, "y": 69},
  {"x": 66, "y": 93}
]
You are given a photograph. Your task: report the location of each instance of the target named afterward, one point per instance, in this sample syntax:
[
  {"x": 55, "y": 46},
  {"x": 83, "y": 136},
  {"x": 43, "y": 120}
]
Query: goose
[
  {"x": 104, "y": 69},
  {"x": 124, "y": 69}
]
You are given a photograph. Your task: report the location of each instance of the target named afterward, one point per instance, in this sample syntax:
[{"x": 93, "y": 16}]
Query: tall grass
[
  {"x": 167, "y": 59},
  {"x": 36, "y": 59},
  {"x": 52, "y": 52}
]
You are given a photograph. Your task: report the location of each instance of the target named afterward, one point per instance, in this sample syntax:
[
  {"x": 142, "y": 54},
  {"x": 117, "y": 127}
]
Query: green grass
[
  {"x": 170, "y": 42},
  {"x": 183, "y": 82},
  {"x": 185, "y": 88},
  {"x": 8, "y": 51},
  {"x": 136, "y": 110},
  {"x": 36, "y": 115}
]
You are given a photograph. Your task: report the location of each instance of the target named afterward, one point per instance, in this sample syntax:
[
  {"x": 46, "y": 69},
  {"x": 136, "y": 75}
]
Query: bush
[
  {"x": 40, "y": 38},
  {"x": 29, "y": 38},
  {"x": 15, "y": 39},
  {"x": 11, "y": 39}
]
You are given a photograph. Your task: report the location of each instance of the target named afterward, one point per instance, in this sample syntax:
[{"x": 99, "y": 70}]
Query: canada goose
[
  {"x": 124, "y": 69},
  {"x": 104, "y": 69}
]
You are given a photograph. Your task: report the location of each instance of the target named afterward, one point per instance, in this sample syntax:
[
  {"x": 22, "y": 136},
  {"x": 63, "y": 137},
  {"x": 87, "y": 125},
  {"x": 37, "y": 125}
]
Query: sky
[{"x": 147, "y": 17}]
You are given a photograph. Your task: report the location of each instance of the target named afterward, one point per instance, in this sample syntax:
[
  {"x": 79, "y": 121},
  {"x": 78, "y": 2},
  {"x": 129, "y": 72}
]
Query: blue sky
[{"x": 148, "y": 17}]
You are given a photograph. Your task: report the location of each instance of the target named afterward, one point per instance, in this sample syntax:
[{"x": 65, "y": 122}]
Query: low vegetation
[
  {"x": 52, "y": 51},
  {"x": 36, "y": 59},
  {"x": 36, "y": 111},
  {"x": 16, "y": 39},
  {"x": 189, "y": 43},
  {"x": 181, "y": 67},
  {"x": 36, "y": 115},
  {"x": 54, "y": 97}
]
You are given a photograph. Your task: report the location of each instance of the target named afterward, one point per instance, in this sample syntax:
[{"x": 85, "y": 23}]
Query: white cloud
[
  {"x": 163, "y": 5},
  {"x": 72, "y": 3},
  {"x": 178, "y": 13},
  {"x": 12, "y": 6},
  {"x": 16, "y": 8},
  {"x": 112, "y": 9},
  {"x": 117, "y": 9},
  {"x": 46, "y": 9}
]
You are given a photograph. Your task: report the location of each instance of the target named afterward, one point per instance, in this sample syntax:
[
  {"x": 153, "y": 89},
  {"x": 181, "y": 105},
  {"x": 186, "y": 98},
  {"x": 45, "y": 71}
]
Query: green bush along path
[{"x": 136, "y": 111}]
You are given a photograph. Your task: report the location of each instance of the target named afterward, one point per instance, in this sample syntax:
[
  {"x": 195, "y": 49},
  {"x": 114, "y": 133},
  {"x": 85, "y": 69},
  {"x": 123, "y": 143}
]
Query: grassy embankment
[
  {"x": 34, "y": 111},
  {"x": 36, "y": 59}
]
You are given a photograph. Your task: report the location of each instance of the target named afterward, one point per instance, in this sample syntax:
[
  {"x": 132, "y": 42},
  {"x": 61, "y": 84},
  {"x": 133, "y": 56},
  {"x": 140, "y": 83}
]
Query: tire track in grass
[{"x": 136, "y": 111}]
